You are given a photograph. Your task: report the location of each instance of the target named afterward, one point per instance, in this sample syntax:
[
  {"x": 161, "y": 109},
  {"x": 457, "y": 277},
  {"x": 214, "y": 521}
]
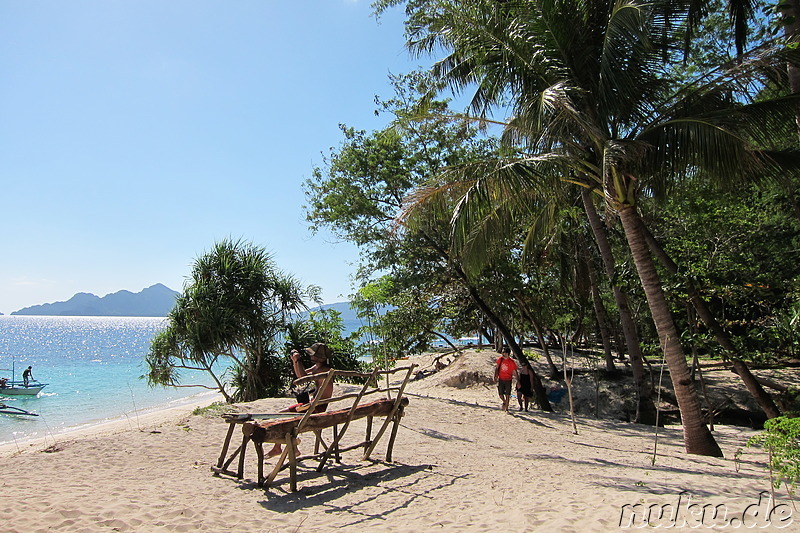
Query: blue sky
[{"x": 135, "y": 134}]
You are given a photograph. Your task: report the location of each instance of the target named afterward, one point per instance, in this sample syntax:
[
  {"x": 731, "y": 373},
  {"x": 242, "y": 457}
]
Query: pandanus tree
[
  {"x": 588, "y": 84},
  {"x": 234, "y": 310}
]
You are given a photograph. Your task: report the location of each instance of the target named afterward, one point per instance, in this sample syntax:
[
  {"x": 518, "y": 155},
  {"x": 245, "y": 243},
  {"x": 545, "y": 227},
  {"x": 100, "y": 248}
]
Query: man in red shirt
[{"x": 504, "y": 373}]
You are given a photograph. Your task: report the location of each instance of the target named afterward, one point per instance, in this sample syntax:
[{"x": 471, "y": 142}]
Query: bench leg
[
  {"x": 337, "y": 457},
  {"x": 259, "y": 446},
  {"x": 379, "y": 435},
  {"x": 317, "y": 439},
  {"x": 368, "y": 435},
  {"x": 222, "y": 455},
  {"x": 397, "y": 416},
  {"x": 276, "y": 469},
  {"x": 290, "y": 444},
  {"x": 240, "y": 471},
  {"x": 224, "y": 468}
]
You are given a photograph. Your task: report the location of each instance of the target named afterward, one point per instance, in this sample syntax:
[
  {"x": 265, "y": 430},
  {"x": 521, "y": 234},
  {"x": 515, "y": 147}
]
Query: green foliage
[
  {"x": 326, "y": 326},
  {"x": 742, "y": 250},
  {"x": 597, "y": 87},
  {"x": 359, "y": 195},
  {"x": 781, "y": 439},
  {"x": 213, "y": 410},
  {"x": 401, "y": 321},
  {"x": 233, "y": 311}
]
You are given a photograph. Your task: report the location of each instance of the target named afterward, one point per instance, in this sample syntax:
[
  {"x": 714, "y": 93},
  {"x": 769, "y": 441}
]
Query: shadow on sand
[{"x": 398, "y": 484}]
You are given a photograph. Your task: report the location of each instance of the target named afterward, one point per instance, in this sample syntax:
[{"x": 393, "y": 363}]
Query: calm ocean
[{"x": 92, "y": 366}]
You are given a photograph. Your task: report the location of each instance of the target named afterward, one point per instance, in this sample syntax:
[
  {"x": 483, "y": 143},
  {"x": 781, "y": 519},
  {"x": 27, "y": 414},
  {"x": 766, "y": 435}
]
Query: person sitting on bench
[{"x": 319, "y": 354}]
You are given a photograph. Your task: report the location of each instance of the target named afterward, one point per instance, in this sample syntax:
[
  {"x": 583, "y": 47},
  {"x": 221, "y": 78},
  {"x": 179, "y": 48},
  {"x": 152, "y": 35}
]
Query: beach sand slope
[{"x": 460, "y": 465}]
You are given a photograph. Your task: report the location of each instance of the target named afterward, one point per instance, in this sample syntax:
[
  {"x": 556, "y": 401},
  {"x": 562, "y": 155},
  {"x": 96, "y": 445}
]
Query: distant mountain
[
  {"x": 350, "y": 320},
  {"x": 157, "y": 300},
  {"x": 348, "y": 314}
]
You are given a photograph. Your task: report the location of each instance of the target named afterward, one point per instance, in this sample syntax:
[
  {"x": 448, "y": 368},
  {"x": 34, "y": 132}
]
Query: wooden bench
[{"x": 284, "y": 428}]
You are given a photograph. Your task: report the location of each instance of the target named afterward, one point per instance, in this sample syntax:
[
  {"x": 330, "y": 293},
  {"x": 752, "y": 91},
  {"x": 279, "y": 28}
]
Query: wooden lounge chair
[{"x": 284, "y": 428}]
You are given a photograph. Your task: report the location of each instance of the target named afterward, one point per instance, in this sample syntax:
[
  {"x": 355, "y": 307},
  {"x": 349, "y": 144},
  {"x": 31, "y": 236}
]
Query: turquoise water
[{"x": 92, "y": 366}]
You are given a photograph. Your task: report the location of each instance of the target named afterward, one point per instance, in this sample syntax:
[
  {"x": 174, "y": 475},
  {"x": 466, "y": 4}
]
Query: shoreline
[
  {"x": 126, "y": 422},
  {"x": 459, "y": 463}
]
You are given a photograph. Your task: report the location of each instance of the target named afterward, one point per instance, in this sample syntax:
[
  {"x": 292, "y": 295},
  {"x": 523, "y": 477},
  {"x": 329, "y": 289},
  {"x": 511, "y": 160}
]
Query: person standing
[
  {"x": 524, "y": 384},
  {"x": 27, "y": 376},
  {"x": 504, "y": 373}
]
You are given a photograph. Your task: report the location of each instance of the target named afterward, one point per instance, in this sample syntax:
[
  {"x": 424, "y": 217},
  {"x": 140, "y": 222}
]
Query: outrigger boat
[
  {"x": 20, "y": 388},
  {"x": 9, "y": 410}
]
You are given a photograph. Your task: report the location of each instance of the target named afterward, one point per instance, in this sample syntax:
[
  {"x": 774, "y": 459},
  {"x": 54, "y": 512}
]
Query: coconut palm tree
[{"x": 589, "y": 87}]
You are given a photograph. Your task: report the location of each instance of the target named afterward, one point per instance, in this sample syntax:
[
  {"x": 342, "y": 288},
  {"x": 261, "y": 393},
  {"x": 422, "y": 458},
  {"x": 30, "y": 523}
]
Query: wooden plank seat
[{"x": 284, "y": 428}]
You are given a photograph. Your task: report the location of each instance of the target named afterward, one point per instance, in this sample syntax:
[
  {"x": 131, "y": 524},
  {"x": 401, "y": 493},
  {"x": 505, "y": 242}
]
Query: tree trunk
[
  {"x": 696, "y": 436},
  {"x": 444, "y": 338},
  {"x": 546, "y": 350},
  {"x": 646, "y": 410},
  {"x": 538, "y": 328},
  {"x": 698, "y": 303},
  {"x": 762, "y": 397},
  {"x": 538, "y": 388},
  {"x": 599, "y": 308},
  {"x": 755, "y": 388}
]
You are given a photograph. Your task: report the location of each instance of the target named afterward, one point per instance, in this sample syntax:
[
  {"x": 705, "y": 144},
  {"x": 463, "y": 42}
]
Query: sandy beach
[{"x": 460, "y": 463}]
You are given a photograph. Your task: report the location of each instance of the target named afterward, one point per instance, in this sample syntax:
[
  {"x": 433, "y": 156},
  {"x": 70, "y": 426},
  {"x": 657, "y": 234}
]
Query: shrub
[{"x": 781, "y": 439}]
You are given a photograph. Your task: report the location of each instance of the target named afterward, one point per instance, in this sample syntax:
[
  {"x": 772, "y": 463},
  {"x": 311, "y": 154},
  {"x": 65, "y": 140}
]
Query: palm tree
[{"x": 588, "y": 83}]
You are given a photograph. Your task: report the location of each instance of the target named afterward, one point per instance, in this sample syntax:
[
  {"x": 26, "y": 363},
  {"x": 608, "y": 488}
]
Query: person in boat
[
  {"x": 319, "y": 354},
  {"x": 27, "y": 376},
  {"x": 3, "y": 382}
]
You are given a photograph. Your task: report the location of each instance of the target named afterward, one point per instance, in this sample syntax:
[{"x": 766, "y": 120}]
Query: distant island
[{"x": 157, "y": 300}]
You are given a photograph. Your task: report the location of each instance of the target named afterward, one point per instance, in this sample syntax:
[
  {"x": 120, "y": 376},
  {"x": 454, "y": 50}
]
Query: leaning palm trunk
[
  {"x": 646, "y": 411},
  {"x": 602, "y": 324},
  {"x": 697, "y": 438}
]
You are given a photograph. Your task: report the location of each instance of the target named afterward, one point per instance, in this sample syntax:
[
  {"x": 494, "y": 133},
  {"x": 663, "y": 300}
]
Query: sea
[{"x": 93, "y": 367}]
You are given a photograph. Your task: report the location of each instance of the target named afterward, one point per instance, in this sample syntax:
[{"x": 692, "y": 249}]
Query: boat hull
[{"x": 21, "y": 391}]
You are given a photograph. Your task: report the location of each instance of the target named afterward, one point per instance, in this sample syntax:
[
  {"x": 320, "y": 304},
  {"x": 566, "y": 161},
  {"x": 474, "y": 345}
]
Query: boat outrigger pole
[{"x": 9, "y": 410}]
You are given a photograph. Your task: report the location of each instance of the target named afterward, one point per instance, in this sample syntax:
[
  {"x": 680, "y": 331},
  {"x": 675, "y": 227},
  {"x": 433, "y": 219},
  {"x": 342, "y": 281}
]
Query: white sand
[{"x": 460, "y": 464}]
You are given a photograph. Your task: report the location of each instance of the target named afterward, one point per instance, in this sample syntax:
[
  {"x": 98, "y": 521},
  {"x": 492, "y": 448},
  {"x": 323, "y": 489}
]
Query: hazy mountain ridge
[
  {"x": 157, "y": 300},
  {"x": 348, "y": 313}
]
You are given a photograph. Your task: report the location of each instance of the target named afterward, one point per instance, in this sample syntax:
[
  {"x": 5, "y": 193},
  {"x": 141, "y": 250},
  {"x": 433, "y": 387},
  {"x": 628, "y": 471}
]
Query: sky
[{"x": 134, "y": 134}]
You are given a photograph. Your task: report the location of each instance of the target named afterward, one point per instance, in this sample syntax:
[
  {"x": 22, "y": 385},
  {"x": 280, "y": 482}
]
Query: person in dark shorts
[
  {"x": 524, "y": 384},
  {"x": 504, "y": 373},
  {"x": 27, "y": 376}
]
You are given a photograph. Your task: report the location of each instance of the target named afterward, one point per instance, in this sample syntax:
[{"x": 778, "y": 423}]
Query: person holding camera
[{"x": 319, "y": 354}]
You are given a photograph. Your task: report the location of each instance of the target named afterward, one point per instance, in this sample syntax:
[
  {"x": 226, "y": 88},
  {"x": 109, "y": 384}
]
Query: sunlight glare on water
[{"x": 92, "y": 366}]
